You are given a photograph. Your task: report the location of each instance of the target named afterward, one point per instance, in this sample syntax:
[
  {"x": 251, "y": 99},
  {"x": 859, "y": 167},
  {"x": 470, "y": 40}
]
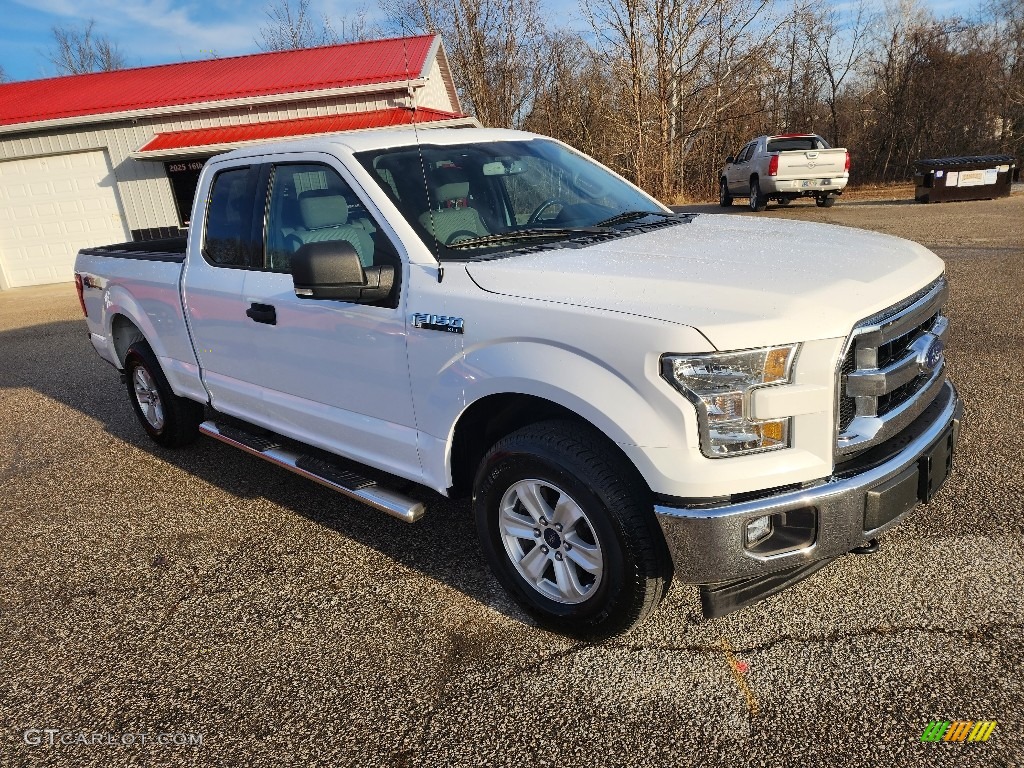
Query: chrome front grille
[{"x": 892, "y": 369}]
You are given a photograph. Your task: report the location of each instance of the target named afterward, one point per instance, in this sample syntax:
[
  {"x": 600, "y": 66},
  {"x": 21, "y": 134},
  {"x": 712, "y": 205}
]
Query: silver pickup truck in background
[{"x": 784, "y": 168}]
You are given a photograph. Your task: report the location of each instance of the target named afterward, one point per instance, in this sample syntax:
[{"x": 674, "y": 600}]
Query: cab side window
[
  {"x": 311, "y": 203},
  {"x": 228, "y": 238}
]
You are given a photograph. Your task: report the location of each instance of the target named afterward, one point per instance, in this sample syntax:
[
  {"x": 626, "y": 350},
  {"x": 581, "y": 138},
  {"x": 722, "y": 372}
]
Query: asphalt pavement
[{"x": 149, "y": 595}]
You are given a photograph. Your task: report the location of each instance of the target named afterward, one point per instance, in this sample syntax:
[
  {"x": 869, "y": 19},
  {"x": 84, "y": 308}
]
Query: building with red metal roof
[{"x": 108, "y": 156}]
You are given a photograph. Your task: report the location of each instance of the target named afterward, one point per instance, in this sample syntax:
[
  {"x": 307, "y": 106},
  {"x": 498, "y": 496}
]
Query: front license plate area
[{"x": 934, "y": 466}]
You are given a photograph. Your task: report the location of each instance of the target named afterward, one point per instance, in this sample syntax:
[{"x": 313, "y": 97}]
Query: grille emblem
[{"x": 933, "y": 354}]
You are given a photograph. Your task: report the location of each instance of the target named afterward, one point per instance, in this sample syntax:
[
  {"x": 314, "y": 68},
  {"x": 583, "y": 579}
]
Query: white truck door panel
[{"x": 335, "y": 374}]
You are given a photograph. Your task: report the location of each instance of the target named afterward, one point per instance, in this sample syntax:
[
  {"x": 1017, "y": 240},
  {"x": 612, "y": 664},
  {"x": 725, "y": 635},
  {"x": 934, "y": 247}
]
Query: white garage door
[{"x": 49, "y": 208}]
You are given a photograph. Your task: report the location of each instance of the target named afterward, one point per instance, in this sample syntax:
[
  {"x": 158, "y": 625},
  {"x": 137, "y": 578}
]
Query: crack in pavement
[{"x": 981, "y": 632}]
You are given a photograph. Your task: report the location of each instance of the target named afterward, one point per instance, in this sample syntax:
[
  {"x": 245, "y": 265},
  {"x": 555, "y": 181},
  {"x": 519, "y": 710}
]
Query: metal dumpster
[{"x": 963, "y": 178}]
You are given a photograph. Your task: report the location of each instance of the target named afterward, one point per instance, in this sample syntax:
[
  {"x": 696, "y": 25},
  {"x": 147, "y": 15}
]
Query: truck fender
[{"x": 626, "y": 412}]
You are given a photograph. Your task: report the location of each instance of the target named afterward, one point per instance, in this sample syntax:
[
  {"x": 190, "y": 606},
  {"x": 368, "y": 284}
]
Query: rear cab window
[
  {"x": 798, "y": 143},
  {"x": 228, "y": 238}
]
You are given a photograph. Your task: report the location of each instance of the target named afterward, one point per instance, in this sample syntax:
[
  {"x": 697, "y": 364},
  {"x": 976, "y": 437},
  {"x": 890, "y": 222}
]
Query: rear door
[
  {"x": 739, "y": 172},
  {"x": 333, "y": 374},
  {"x": 220, "y": 253}
]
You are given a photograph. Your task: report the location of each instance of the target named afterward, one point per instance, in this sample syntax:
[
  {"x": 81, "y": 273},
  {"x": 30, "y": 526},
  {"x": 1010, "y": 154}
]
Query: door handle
[{"x": 262, "y": 313}]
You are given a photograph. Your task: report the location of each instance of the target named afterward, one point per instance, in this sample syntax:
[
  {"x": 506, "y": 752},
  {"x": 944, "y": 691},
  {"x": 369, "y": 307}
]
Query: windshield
[{"x": 467, "y": 200}]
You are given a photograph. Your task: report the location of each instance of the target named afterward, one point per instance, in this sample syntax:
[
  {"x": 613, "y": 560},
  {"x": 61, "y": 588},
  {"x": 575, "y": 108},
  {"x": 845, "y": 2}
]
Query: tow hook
[{"x": 866, "y": 549}]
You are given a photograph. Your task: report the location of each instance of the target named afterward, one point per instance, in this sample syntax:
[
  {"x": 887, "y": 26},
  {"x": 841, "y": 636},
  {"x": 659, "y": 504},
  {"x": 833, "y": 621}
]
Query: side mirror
[
  {"x": 730, "y": 160},
  {"x": 332, "y": 270}
]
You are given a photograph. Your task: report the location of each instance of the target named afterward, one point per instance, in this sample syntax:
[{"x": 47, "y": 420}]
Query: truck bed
[
  {"x": 140, "y": 280},
  {"x": 168, "y": 249}
]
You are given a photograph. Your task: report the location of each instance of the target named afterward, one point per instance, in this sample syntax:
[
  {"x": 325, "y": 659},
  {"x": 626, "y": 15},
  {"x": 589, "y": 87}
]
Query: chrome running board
[{"x": 335, "y": 477}]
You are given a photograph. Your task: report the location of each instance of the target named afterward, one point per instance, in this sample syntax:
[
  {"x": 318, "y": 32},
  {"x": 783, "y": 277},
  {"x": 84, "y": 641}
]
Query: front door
[{"x": 333, "y": 374}]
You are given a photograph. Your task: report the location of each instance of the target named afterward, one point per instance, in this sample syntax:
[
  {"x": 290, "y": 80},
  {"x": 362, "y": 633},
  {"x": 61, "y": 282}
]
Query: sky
[{"x": 162, "y": 31}]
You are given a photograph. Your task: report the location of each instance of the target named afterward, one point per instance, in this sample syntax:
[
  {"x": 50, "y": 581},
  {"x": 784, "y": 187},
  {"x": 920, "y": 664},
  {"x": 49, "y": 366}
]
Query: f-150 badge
[{"x": 437, "y": 322}]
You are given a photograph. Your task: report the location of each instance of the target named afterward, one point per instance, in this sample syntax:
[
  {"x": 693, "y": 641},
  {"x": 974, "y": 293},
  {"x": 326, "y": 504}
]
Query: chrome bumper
[{"x": 707, "y": 545}]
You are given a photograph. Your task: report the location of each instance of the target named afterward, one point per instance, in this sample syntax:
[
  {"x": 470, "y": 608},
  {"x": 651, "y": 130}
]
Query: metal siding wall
[
  {"x": 143, "y": 186},
  {"x": 435, "y": 92}
]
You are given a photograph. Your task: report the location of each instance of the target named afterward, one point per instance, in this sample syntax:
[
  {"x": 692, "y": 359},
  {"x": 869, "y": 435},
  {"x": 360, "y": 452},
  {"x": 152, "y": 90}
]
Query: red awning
[{"x": 222, "y": 138}]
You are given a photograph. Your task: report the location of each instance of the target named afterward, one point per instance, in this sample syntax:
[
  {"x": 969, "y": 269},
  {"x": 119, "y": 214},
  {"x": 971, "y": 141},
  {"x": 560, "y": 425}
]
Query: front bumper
[{"x": 863, "y": 499}]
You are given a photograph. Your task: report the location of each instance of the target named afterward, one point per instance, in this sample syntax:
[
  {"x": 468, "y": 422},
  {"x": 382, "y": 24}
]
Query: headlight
[{"x": 719, "y": 383}]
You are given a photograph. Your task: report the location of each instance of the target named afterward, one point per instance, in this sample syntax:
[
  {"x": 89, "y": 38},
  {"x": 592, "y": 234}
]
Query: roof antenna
[{"x": 419, "y": 149}]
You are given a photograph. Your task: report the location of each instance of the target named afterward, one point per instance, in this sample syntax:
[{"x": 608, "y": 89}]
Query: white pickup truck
[
  {"x": 625, "y": 392},
  {"x": 783, "y": 168}
]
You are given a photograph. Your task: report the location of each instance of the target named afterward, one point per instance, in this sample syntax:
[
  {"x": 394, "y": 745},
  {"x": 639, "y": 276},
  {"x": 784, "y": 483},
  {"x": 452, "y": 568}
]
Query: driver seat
[{"x": 452, "y": 216}]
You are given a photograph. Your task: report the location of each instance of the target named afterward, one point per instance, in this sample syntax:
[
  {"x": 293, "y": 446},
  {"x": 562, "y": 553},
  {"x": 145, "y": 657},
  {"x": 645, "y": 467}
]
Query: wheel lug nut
[
  {"x": 536, "y": 532},
  {"x": 543, "y": 521},
  {"x": 545, "y": 550},
  {"x": 568, "y": 546},
  {"x": 558, "y": 527},
  {"x": 558, "y": 555}
]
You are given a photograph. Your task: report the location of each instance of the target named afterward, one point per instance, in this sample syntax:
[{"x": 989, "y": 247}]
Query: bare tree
[
  {"x": 1005, "y": 26},
  {"x": 292, "y": 25},
  {"x": 3, "y": 75},
  {"x": 679, "y": 65},
  {"x": 837, "y": 46},
  {"x": 78, "y": 50},
  {"x": 575, "y": 98},
  {"x": 495, "y": 47}
]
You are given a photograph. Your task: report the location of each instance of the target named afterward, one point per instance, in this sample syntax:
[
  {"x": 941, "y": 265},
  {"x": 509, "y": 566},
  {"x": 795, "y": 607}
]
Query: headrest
[
  {"x": 450, "y": 183},
  {"x": 456, "y": 190},
  {"x": 322, "y": 208}
]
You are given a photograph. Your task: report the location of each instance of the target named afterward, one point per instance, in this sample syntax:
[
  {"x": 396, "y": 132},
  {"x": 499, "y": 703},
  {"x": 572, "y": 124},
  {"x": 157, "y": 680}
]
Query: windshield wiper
[
  {"x": 619, "y": 218},
  {"x": 529, "y": 234}
]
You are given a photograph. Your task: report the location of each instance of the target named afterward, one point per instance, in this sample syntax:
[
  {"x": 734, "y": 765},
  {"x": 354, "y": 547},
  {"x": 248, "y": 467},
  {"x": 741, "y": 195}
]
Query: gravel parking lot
[{"x": 145, "y": 591}]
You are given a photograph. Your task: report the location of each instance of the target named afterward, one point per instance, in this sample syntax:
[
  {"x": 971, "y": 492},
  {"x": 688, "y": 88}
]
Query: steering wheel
[{"x": 535, "y": 216}]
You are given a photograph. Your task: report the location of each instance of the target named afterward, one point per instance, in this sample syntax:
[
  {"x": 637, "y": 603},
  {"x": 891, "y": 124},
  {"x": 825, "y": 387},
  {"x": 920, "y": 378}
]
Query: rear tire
[
  {"x": 169, "y": 420},
  {"x": 569, "y": 531},
  {"x": 724, "y": 198},
  {"x": 758, "y": 202},
  {"x": 827, "y": 201},
  {"x": 784, "y": 201}
]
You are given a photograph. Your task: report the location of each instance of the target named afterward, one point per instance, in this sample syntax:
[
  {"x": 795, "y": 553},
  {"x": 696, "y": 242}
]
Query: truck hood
[{"x": 740, "y": 281}]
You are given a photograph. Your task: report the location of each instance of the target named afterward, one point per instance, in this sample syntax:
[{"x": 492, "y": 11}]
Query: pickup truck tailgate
[{"x": 811, "y": 164}]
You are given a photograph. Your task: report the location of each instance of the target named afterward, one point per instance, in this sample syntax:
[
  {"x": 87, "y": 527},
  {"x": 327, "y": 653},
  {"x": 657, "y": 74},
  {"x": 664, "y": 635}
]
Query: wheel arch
[
  {"x": 491, "y": 418},
  {"x": 127, "y": 321},
  {"x": 123, "y": 333}
]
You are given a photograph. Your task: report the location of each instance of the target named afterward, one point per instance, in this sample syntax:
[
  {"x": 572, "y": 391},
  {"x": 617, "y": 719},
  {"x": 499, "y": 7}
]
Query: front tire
[
  {"x": 569, "y": 531},
  {"x": 169, "y": 420},
  {"x": 758, "y": 202},
  {"x": 826, "y": 201},
  {"x": 724, "y": 198}
]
